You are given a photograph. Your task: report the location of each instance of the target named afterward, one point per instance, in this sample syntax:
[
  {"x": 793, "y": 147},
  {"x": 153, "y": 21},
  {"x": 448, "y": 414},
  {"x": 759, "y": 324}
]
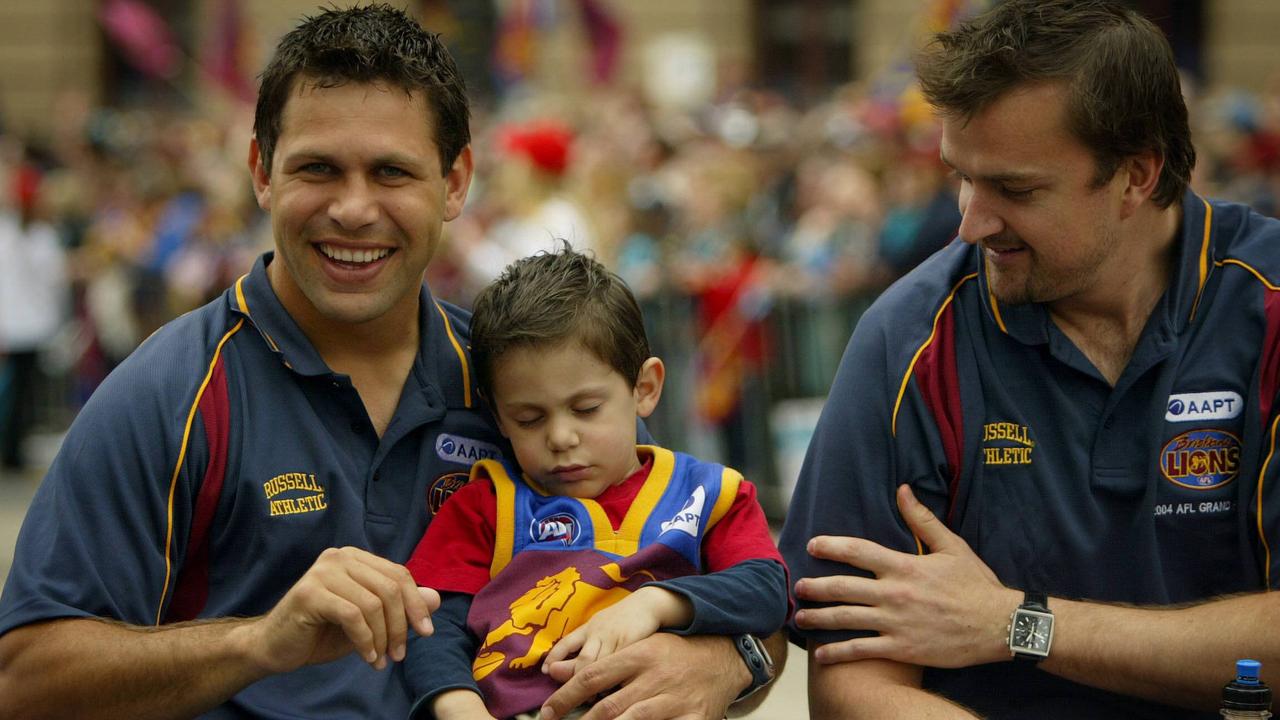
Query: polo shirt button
[
  {"x": 1109, "y": 421},
  {"x": 356, "y": 426},
  {"x": 377, "y": 477}
]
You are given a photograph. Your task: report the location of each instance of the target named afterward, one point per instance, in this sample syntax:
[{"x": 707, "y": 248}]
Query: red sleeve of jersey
[
  {"x": 455, "y": 553},
  {"x": 742, "y": 534}
]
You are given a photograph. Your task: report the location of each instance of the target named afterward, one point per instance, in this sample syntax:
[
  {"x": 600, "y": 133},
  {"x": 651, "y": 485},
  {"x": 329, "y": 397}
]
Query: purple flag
[{"x": 142, "y": 35}]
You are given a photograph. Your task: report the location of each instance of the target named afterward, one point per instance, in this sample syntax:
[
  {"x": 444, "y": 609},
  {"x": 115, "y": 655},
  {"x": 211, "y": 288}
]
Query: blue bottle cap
[
  {"x": 1247, "y": 692},
  {"x": 1248, "y": 671}
]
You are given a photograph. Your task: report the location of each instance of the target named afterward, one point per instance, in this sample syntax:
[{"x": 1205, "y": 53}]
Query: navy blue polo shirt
[
  {"x": 231, "y": 401},
  {"x": 1162, "y": 489}
]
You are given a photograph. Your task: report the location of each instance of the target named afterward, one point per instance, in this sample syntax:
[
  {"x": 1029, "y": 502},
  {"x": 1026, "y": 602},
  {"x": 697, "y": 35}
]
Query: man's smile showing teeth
[{"x": 353, "y": 256}]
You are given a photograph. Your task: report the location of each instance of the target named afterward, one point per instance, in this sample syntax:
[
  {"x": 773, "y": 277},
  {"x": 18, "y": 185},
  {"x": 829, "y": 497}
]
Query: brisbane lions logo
[
  {"x": 1201, "y": 459},
  {"x": 560, "y": 526}
]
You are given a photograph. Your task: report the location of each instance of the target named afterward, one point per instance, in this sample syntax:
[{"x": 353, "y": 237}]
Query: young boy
[{"x": 600, "y": 542}]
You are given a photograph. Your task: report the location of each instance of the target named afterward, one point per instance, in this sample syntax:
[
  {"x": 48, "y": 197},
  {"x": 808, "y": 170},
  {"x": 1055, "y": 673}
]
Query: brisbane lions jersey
[{"x": 1161, "y": 489}]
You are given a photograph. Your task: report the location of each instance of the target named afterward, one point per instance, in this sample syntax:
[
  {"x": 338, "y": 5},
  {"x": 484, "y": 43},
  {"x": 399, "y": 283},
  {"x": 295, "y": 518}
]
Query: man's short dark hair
[
  {"x": 373, "y": 43},
  {"x": 558, "y": 297},
  {"x": 1124, "y": 92}
]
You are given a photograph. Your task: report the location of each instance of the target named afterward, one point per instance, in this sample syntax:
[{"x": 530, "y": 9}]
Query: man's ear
[
  {"x": 261, "y": 175},
  {"x": 648, "y": 387},
  {"x": 456, "y": 183},
  {"x": 1143, "y": 174}
]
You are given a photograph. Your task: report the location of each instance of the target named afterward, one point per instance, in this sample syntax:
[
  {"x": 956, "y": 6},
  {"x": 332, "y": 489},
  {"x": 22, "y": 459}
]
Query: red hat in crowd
[
  {"x": 26, "y": 187},
  {"x": 546, "y": 144}
]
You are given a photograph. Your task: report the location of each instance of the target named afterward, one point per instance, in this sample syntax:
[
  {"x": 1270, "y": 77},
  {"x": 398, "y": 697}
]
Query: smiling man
[
  {"x": 1044, "y": 484},
  {"x": 260, "y": 458}
]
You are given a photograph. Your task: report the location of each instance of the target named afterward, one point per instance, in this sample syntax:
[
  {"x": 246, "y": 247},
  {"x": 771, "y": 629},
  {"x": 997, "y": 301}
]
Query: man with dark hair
[
  {"x": 213, "y": 537},
  {"x": 1044, "y": 485}
]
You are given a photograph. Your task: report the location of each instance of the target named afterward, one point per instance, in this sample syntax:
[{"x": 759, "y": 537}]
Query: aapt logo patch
[
  {"x": 686, "y": 521},
  {"x": 442, "y": 487},
  {"x": 465, "y": 450},
  {"x": 560, "y": 526},
  {"x": 1201, "y": 459},
  {"x": 1220, "y": 405}
]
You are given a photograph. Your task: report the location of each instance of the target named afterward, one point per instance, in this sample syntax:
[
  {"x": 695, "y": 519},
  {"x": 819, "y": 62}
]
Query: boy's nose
[{"x": 561, "y": 436}]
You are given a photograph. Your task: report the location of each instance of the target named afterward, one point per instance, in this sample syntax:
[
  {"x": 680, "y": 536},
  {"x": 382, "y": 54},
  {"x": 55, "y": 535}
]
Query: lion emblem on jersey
[{"x": 553, "y": 608}]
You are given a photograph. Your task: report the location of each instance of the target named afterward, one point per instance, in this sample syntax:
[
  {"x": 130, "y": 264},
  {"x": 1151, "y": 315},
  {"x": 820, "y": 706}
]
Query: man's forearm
[
  {"x": 1177, "y": 656},
  {"x": 889, "y": 703},
  {"x": 875, "y": 690},
  {"x": 86, "y": 668}
]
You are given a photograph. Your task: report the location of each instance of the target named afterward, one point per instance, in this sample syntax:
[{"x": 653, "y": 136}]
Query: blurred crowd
[{"x": 753, "y": 231}]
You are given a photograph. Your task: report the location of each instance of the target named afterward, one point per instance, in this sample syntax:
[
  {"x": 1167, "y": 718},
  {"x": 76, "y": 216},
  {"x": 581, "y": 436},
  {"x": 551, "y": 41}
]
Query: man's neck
[
  {"x": 376, "y": 354},
  {"x": 345, "y": 347},
  {"x": 1106, "y": 321}
]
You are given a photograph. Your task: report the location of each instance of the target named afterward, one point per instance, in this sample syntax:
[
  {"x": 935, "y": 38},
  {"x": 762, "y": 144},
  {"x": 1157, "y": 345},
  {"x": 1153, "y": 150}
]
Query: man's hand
[
  {"x": 626, "y": 622},
  {"x": 348, "y": 600},
  {"x": 663, "y": 677},
  {"x": 943, "y": 609}
]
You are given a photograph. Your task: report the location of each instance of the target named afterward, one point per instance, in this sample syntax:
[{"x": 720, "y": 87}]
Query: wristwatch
[
  {"x": 1031, "y": 628},
  {"x": 758, "y": 661}
]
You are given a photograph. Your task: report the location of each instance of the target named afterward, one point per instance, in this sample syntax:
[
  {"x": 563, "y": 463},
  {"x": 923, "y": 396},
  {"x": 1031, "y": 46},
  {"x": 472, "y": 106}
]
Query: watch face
[{"x": 1032, "y": 632}]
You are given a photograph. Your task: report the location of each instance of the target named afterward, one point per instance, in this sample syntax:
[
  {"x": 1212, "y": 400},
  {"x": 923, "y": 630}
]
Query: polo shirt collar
[
  {"x": 1029, "y": 323},
  {"x": 253, "y": 297}
]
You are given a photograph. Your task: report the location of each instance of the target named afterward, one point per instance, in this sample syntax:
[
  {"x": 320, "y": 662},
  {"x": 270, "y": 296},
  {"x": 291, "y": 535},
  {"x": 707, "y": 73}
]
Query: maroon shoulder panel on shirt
[
  {"x": 192, "y": 589},
  {"x": 937, "y": 378},
  {"x": 1269, "y": 382}
]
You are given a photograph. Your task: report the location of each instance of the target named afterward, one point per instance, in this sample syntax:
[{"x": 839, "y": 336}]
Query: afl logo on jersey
[
  {"x": 1201, "y": 459},
  {"x": 560, "y": 526},
  {"x": 441, "y": 488},
  {"x": 465, "y": 450}
]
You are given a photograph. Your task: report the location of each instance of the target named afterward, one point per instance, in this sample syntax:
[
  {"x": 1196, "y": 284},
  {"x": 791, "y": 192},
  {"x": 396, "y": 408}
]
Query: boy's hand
[
  {"x": 459, "y": 704},
  {"x": 634, "y": 618}
]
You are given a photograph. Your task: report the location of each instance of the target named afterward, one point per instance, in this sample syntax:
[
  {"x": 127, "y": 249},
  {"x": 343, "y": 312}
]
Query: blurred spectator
[
  {"x": 921, "y": 213},
  {"x": 527, "y": 191},
  {"x": 718, "y": 265},
  {"x": 33, "y": 303},
  {"x": 831, "y": 251}
]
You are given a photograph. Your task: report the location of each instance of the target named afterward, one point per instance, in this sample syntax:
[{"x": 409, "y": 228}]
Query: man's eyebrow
[
  {"x": 397, "y": 159},
  {"x": 306, "y": 154},
  {"x": 391, "y": 158},
  {"x": 1003, "y": 177}
]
